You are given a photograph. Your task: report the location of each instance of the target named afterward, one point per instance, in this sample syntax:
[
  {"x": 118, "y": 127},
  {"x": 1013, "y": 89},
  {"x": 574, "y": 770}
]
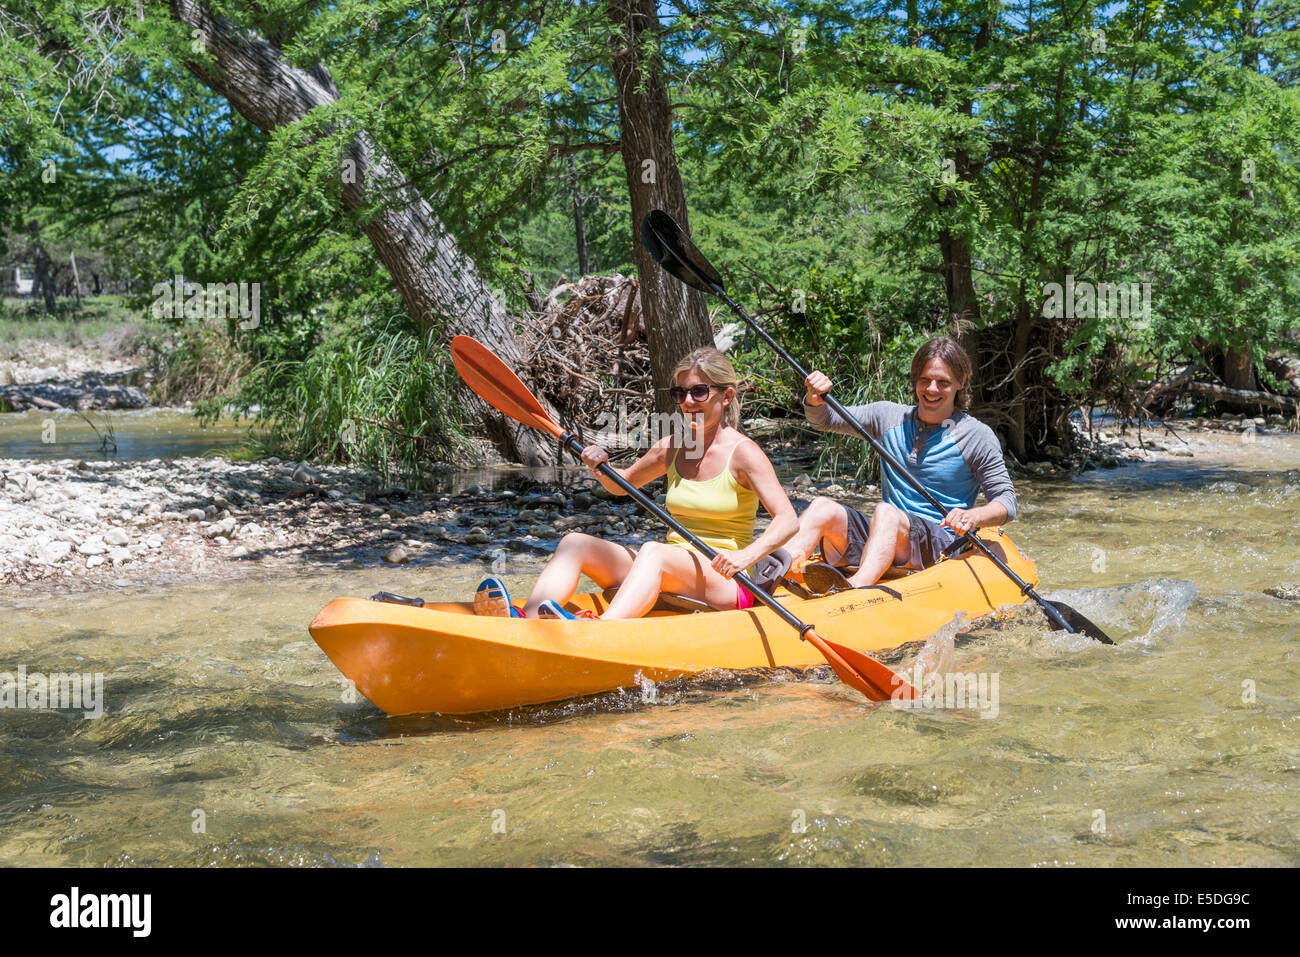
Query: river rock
[
  {"x": 195, "y": 515},
  {"x": 477, "y": 536},
  {"x": 1287, "y": 592},
  {"x": 153, "y": 541},
  {"x": 52, "y": 552},
  {"x": 305, "y": 474},
  {"x": 115, "y": 536},
  {"x": 94, "y": 560},
  {"x": 398, "y": 555},
  {"x": 219, "y": 529},
  {"x": 92, "y": 546}
]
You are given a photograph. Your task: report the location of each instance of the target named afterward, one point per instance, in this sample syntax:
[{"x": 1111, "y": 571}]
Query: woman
[{"x": 715, "y": 483}]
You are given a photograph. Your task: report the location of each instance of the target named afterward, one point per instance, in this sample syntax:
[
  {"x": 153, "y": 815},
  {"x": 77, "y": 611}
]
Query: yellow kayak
[{"x": 444, "y": 658}]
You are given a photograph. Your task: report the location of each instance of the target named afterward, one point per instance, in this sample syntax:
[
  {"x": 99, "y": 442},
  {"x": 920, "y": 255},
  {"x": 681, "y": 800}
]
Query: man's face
[{"x": 936, "y": 392}]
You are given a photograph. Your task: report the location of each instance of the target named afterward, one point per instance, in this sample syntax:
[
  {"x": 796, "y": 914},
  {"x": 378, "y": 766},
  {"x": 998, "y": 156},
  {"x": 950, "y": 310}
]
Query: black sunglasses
[{"x": 698, "y": 392}]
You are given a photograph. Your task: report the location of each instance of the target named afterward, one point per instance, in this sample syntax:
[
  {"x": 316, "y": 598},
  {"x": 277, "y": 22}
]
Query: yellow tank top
[{"x": 719, "y": 511}]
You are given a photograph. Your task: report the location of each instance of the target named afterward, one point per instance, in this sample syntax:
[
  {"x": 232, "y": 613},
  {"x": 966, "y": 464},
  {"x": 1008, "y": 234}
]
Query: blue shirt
[{"x": 953, "y": 461}]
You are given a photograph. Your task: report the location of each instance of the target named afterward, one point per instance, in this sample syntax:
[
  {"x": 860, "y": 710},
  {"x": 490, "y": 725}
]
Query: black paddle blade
[
  {"x": 1079, "y": 623},
  {"x": 670, "y": 247}
]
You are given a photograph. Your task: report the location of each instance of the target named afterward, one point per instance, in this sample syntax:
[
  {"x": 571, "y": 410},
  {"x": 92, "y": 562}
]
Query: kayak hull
[{"x": 443, "y": 658}]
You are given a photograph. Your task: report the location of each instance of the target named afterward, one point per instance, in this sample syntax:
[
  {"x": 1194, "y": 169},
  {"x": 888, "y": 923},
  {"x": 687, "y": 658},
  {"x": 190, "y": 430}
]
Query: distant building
[{"x": 19, "y": 286}]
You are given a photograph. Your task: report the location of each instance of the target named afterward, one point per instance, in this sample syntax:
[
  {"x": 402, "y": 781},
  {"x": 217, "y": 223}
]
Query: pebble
[
  {"x": 54, "y": 552},
  {"x": 115, "y": 536},
  {"x": 92, "y": 546},
  {"x": 1287, "y": 592},
  {"x": 397, "y": 555},
  {"x": 305, "y": 474}
]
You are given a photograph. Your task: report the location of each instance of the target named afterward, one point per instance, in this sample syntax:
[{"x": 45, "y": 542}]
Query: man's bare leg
[
  {"x": 888, "y": 543},
  {"x": 824, "y": 519}
]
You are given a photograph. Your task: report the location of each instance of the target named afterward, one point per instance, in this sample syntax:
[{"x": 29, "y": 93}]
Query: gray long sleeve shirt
[{"x": 954, "y": 462}]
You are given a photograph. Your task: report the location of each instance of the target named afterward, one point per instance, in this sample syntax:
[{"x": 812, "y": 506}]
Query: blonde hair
[{"x": 717, "y": 370}]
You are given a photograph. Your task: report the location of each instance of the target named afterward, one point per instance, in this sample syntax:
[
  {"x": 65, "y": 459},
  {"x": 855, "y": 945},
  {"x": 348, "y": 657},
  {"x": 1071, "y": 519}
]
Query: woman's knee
[
  {"x": 575, "y": 543},
  {"x": 652, "y": 554}
]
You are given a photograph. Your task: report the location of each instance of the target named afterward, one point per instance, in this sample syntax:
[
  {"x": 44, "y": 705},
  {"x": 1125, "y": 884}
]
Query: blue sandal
[{"x": 491, "y": 598}]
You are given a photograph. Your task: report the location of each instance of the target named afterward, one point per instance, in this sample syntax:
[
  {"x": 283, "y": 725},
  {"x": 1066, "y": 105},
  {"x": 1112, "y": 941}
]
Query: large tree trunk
[
  {"x": 438, "y": 284},
  {"x": 44, "y": 275},
  {"x": 1238, "y": 365},
  {"x": 579, "y": 229},
  {"x": 676, "y": 320}
]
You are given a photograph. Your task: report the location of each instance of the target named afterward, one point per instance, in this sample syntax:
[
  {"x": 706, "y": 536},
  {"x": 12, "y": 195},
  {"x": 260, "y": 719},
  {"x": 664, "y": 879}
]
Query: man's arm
[
  {"x": 989, "y": 467},
  {"x": 825, "y": 419}
]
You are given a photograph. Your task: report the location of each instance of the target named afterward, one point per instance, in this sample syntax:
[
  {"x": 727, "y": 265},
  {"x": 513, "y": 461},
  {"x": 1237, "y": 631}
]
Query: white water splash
[
  {"x": 1143, "y": 611},
  {"x": 649, "y": 691},
  {"x": 937, "y": 655}
]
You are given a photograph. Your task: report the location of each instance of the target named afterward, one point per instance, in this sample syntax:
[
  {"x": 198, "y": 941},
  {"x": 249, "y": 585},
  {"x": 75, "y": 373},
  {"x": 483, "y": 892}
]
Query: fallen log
[{"x": 1185, "y": 383}]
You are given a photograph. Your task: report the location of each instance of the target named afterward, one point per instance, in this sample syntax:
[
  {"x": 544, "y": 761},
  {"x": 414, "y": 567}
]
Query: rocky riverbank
[
  {"x": 103, "y": 374},
  {"x": 78, "y": 524}
]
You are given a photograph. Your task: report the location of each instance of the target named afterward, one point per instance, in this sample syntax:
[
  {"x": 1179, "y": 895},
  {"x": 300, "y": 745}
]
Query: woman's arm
[
  {"x": 645, "y": 469},
  {"x": 754, "y": 470}
]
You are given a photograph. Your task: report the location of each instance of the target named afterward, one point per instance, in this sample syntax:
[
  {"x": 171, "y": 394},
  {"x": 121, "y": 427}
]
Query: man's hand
[
  {"x": 961, "y": 520},
  {"x": 817, "y": 385}
]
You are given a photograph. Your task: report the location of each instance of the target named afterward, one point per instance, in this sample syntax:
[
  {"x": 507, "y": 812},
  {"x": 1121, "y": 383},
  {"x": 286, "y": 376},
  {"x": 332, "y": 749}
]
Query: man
[{"x": 951, "y": 454}]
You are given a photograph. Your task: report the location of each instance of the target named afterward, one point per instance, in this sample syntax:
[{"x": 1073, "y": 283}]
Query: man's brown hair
[{"x": 954, "y": 357}]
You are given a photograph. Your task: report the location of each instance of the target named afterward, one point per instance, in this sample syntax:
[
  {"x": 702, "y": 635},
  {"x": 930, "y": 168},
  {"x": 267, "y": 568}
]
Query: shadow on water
[{"x": 375, "y": 725}]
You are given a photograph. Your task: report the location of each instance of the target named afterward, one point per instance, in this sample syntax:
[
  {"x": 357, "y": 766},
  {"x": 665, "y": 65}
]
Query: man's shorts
[{"x": 928, "y": 539}]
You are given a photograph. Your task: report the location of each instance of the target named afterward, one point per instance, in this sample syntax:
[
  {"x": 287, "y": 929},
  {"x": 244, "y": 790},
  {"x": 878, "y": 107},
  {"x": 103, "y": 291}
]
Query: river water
[{"x": 228, "y": 738}]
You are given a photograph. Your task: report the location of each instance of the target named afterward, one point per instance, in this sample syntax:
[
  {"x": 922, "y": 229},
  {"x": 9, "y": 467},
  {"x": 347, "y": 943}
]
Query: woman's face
[{"x": 703, "y": 403}]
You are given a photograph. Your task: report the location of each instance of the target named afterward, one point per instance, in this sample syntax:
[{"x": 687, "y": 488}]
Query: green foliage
[
  {"x": 853, "y": 155},
  {"x": 382, "y": 398}
]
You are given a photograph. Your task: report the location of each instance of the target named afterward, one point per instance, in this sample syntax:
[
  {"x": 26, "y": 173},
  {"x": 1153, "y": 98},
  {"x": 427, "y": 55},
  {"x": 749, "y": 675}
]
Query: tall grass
[
  {"x": 384, "y": 401},
  {"x": 199, "y": 362}
]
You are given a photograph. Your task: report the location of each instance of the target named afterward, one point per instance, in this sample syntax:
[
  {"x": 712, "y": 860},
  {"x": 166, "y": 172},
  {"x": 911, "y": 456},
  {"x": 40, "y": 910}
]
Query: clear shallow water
[
  {"x": 139, "y": 434},
  {"x": 1178, "y": 747}
]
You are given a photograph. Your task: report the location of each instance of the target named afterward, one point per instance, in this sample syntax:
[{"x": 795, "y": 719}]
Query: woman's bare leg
[
  {"x": 660, "y": 567},
  {"x": 578, "y": 554}
]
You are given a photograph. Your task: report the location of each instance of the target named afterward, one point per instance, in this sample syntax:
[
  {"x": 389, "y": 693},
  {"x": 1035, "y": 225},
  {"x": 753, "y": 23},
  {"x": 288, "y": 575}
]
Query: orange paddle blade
[
  {"x": 874, "y": 679},
  {"x": 498, "y": 386}
]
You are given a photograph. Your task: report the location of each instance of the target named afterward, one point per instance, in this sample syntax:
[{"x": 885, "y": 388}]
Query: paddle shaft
[
  {"x": 646, "y": 502},
  {"x": 843, "y": 413}
]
